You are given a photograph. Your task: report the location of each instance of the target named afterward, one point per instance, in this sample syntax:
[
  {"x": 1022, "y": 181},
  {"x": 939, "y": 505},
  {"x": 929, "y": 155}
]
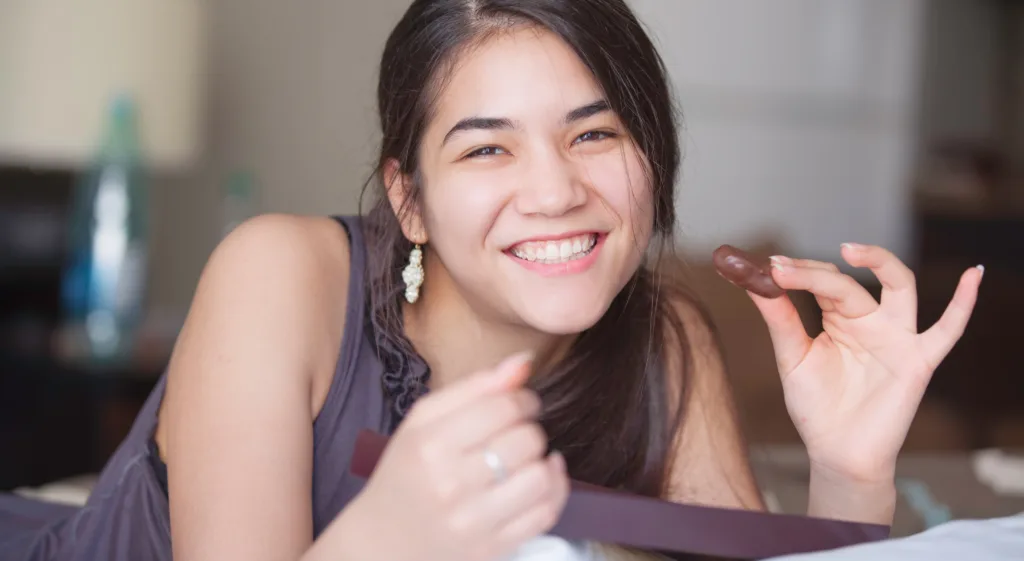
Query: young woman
[{"x": 503, "y": 312}]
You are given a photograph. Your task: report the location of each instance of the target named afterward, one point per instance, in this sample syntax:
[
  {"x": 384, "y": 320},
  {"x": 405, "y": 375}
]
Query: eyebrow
[
  {"x": 493, "y": 123},
  {"x": 588, "y": 110},
  {"x": 478, "y": 123}
]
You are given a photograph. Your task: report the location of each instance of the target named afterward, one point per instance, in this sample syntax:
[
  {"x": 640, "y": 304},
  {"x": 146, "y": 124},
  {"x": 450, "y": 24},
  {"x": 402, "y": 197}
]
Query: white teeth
[{"x": 552, "y": 252}]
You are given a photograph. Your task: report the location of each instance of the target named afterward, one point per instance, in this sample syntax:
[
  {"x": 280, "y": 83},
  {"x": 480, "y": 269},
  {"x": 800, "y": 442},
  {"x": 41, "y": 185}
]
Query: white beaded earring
[{"x": 413, "y": 275}]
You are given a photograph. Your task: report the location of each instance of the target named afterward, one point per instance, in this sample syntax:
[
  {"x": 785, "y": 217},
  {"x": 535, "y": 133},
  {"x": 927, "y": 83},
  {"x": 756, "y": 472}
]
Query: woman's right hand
[{"x": 434, "y": 495}]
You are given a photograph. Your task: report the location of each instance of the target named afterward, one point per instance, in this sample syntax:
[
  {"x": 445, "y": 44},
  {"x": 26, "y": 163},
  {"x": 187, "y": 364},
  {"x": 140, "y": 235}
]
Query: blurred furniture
[
  {"x": 32, "y": 232},
  {"x": 59, "y": 417},
  {"x": 981, "y": 377},
  {"x": 59, "y": 420}
]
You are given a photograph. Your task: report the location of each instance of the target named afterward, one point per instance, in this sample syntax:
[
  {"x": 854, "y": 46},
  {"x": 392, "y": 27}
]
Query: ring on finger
[{"x": 497, "y": 466}]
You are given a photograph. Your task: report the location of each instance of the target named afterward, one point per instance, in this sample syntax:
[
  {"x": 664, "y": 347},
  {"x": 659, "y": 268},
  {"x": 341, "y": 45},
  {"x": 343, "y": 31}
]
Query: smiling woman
[
  {"x": 532, "y": 194},
  {"x": 524, "y": 209}
]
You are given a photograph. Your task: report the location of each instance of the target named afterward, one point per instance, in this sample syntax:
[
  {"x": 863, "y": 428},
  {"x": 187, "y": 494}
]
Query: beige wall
[
  {"x": 292, "y": 100},
  {"x": 799, "y": 120}
]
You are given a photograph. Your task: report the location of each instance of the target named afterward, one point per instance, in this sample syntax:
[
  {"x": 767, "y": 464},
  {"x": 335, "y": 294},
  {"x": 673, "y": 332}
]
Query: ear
[{"x": 399, "y": 188}]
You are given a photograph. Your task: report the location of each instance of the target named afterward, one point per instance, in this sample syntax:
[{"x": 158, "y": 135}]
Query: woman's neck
[{"x": 456, "y": 340}]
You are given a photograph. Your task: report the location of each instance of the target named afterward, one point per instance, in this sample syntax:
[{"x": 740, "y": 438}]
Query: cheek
[
  {"x": 461, "y": 210},
  {"x": 621, "y": 182}
]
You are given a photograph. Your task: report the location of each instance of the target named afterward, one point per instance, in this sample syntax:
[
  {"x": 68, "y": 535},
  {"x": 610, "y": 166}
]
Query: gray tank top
[{"x": 126, "y": 517}]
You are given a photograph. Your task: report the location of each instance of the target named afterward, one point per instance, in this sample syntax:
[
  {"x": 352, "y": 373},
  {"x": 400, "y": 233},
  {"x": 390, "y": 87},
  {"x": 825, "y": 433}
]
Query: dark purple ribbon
[{"x": 613, "y": 517}]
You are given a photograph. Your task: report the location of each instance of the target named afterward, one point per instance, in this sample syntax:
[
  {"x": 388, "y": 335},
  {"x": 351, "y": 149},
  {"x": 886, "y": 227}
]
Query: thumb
[
  {"x": 789, "y": 338},
  {"x": 513, "y": 372},
  {"x": 509, "y": 375}
]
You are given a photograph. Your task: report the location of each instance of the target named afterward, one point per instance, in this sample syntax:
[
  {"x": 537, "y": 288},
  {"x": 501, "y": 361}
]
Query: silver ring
[{"x": 494, "y": 462}]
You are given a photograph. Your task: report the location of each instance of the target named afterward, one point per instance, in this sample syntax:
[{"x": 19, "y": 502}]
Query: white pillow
[{"x": 551, "y": 548}]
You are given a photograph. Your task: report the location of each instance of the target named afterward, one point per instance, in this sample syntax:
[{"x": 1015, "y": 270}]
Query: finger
[
  {"x": 805, "y": 263},
  {"x": 507, "y": 500},
  {"x": 536, "y": 522},
  {"x": 825, "y": 304},
  {"x": 510, "y": 374},
  {"x": 477, "y": 423},
  {"x": 517, "y": 448},
  {"x": 540, "y": 516},
  {"x": 899, "y": 287},
  {"x": 943, "y": 336},
  {"x": 849, "y": 298},
  {"x": 789, "y": 338}
]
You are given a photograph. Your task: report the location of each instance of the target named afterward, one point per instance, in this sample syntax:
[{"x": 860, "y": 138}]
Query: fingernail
[
  {"x": 778, "y": 266},
  {"x": 535, "y": 405},
  {"x": 982, "y": 269},
  {"x": 780, "y": 259},
  {"x": 558, "y": 460},
  {"x": 852, "y": 246},
  {"x": 515, "y": 362}
]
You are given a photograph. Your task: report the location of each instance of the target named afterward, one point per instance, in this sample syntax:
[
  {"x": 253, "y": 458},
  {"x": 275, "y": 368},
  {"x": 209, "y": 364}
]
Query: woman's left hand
[{"x": 853, "y": 391}]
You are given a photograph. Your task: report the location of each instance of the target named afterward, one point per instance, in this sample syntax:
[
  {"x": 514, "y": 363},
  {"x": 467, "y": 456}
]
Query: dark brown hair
[{"x": 607, "y": 406}]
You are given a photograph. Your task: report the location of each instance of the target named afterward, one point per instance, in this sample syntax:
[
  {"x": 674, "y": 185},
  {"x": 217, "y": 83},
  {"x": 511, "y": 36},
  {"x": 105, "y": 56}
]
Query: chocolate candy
[{"x": 747, "y": 271}]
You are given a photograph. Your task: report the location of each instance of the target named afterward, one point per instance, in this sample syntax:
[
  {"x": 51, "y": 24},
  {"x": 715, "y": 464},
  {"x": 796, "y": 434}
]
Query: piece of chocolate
[{"x": 747, "y": 271}]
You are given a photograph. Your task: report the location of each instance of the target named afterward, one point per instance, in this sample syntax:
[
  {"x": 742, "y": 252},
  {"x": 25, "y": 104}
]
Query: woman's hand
[
  {"x": 853, "y": 390},
  {"x": 436, "y": 496}
]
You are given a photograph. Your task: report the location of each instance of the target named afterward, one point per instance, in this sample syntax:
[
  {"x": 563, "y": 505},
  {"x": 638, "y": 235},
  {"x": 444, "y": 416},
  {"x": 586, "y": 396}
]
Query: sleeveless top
[{"x": 126, "y": 517}]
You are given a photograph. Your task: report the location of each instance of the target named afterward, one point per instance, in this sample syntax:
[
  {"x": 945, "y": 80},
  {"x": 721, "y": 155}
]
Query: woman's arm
[
  {"x": 248, "y": 375},
  {"x": 711, "y": 465},
  {"x": 835, "y": 496}
]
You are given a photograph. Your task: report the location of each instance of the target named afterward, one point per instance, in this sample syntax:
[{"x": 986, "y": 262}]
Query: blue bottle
[{"x": 104, "y": 282}]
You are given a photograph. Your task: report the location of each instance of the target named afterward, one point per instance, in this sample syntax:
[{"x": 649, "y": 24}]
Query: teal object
[
  {"x": 920, "y": 498},
  {"x": 238, "y": 201},
  {"x": 103, "y": 286}
]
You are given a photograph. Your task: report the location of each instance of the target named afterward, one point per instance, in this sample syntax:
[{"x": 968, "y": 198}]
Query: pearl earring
[{"x": 413, "y": 275}]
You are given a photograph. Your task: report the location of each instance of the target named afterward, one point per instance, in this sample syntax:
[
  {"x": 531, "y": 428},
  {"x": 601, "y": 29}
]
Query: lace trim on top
[{"x": 405, "y": 375}]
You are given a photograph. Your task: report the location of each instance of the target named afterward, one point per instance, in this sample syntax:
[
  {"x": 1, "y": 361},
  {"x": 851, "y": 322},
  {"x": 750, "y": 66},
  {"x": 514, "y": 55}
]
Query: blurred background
[{"x": 133, "y": 135}]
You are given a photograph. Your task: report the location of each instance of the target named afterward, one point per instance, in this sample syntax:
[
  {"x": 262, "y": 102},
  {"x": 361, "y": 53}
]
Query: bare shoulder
[
  {"x": 248, "y": 375},
  {"x": 711, "y": 464},
  {"x": 272, "y": 297},
  {"x": 299, "y": 247},
  {"x": 691, "y": 324},
  {"x": 692, "y": 355},
  {"x": 284, "y": 273}
]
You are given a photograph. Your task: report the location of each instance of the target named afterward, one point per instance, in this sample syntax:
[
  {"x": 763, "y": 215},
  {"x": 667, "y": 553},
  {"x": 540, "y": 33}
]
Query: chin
[{"x": 568, "y": 316}]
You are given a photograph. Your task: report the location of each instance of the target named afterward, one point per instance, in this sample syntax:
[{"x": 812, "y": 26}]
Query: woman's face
[{"x": 535, "y": 202}]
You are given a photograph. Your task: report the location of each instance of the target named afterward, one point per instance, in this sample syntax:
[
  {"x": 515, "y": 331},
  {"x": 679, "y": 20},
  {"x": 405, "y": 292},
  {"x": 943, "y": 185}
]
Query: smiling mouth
[{"x": 553, "y": 252}]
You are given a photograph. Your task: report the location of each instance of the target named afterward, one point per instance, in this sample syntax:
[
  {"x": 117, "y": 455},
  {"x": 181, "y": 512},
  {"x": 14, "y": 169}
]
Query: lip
[{"x": 573, "y": 267}]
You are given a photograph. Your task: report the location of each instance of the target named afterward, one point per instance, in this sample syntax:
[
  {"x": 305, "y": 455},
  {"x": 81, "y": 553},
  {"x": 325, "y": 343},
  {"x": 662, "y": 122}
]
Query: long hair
[{"x": 607, "y": 406}]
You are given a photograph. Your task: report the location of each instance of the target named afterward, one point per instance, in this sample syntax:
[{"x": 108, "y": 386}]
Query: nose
[{"x": 552, "y": 187}]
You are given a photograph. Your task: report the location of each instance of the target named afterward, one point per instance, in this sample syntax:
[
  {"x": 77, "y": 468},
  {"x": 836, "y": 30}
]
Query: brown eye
[
  {"x": 590, "y": 136},
  {"x": 485, "y": 151}
]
